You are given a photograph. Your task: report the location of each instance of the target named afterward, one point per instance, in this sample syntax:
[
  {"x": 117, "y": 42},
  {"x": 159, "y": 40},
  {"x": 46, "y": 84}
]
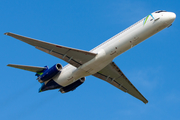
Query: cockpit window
[{"x": 160, "y": 11}]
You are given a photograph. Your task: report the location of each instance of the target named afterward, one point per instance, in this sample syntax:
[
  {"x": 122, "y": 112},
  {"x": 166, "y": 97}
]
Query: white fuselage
[{"x": 116, "y": 45}]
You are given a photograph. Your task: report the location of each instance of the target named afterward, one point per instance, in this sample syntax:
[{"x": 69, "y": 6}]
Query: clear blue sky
[{"x": 152, "y": 66}]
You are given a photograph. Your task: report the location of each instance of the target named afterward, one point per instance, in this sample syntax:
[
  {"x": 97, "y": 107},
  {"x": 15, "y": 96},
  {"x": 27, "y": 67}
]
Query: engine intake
[{"x": 49, "y": 73}]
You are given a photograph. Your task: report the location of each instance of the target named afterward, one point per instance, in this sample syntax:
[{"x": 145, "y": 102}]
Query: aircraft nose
[{"x": 170, "y": 17}]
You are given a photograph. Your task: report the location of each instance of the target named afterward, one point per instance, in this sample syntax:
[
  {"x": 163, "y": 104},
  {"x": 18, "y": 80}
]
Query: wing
[
  {"x": 113, "y": 75},
  {"x": 73, "y": 56},
  {"x": 28, "y": 68}
]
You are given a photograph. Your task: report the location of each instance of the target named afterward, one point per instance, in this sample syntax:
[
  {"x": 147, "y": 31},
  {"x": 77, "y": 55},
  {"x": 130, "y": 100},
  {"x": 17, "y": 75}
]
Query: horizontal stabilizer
[{"x": 28, "y": 68}]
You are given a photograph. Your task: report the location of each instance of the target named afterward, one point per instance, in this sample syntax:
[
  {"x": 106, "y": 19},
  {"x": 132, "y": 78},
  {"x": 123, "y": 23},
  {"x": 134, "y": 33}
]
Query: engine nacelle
[
  {"x": 49, "y": 73},
  {"x": 72, "y": 86},
  {"x": 49, "y": 85}
]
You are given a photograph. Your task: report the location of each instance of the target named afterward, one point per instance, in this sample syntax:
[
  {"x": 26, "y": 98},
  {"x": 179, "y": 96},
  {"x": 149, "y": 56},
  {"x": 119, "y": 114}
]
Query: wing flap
[
  {"x": 28, "y": 68},
  {"x": 64, "y": 57},
  {"x": 113, "y": 75},
  {"x": 73, "y": 56}
]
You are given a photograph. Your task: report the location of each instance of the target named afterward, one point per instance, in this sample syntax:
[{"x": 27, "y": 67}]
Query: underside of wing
[
  {"x": 28, "y": 68},
  {"x": 113, "y": 75},
  {"x": 73, "y": 56}
]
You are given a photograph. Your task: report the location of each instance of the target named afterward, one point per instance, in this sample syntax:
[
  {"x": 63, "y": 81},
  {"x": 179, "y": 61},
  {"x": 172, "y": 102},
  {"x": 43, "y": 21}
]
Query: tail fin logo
[{"x": 145, "y": 19}]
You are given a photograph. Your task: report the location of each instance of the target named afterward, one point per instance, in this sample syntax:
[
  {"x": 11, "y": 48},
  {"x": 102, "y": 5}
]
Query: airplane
[{"x": 97, "y": 62}]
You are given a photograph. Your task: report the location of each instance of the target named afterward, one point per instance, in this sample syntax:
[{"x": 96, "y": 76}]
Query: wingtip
[
  {"x": 146, "y": 102},
  {"x": 8, "y": 64},
  {"x": 6, "y": 33}
]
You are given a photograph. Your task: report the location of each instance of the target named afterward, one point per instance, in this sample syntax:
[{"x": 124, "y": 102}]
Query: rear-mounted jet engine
[
  {"x": 72, "y": 86},
  {"x": 47, "y": 74}
]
